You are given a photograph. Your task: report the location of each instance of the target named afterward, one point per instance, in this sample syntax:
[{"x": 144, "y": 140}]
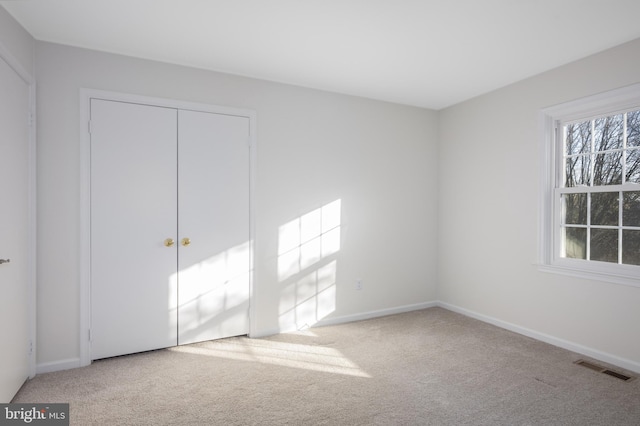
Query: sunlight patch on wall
[
  {"x": 306, "y": 266},
  {"x": 306, "y": 240},
  {"x": 309, "y": 299}
]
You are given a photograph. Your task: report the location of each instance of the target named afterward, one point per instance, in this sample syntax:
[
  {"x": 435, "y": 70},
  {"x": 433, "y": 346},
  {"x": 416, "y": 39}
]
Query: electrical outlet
[{"x": 358, "y": 284}]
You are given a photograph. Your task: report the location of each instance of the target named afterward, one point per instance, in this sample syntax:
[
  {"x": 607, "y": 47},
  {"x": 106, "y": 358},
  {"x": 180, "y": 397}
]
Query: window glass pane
[
  {"x": 608, "y": 132},
  {"x": 631, "y": 208},
  {"x": 578, "y": 171},
  {"x": 633, "y": 166},
  {"x": 633, "y": 128},
  {"x": 575, "y": 243},
  {"x": 604, "y": 245},
  {"x": 607, "y": 169},
  {"x": 604, "y": 208},
  {"x": 578, "y": 138},
  {"x": 631, "y": 247},
  {"x": 575, "y": 208}
]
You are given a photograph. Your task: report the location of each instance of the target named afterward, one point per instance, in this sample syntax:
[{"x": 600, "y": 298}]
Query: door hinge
[
  {"x": 30, "y": 347},
  {"x": 30, "y": 119},
  {"x": 89, "y": 126},
  {"x": 89, "y": 334}
]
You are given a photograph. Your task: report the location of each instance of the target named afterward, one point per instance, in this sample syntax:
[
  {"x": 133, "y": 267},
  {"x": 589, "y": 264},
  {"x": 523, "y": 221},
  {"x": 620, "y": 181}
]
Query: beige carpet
[{"x": 428, "y": 367}]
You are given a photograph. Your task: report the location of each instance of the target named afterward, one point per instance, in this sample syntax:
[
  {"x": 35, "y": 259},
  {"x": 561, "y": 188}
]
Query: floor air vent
[{"x": 601, "y": 369}]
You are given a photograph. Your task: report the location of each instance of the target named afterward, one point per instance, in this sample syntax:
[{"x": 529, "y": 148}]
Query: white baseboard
[
  {"x": 264, "y": 333},
  {"x": 627, "y": 364},
  {"x": 347, "y": 318},
  {"x": 552, "y": 340},
  {"x": 65, "y": 364},
  {"x": 375, "y": 314}
]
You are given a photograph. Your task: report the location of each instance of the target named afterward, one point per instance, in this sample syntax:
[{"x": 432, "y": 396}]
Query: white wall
[
  {"x": 314, "y": 147},
  {"x": 488, "y": 203},
  {"x": 15, "y": 40}
]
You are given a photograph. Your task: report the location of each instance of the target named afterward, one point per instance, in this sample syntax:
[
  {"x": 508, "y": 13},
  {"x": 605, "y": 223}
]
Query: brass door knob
[
  {"x": 185, "y": 242},
  {"x": 169, "y": 242}
]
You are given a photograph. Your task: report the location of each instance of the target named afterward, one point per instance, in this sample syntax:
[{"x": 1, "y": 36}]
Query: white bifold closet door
[
  {"x": 213, "y": 221},
  {"x": 133, "y": 210},
  {"x": 170, "y": 259}
]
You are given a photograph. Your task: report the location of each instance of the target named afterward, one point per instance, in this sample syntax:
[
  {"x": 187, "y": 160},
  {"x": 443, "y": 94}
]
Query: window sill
[{"x": 572, "y": 271}]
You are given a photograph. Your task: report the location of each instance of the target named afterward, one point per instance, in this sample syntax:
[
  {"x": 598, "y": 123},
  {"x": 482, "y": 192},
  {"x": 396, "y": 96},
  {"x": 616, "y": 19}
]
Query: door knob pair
[{"x": 169, "y": 242}]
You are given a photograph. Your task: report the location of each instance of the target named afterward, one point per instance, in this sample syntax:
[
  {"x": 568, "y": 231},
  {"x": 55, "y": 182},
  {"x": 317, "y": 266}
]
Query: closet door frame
[{"x": 85, "y": 195}]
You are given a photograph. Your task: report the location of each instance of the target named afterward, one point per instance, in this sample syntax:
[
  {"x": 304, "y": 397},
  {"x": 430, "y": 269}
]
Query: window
[{"x": 591, "y": 217}]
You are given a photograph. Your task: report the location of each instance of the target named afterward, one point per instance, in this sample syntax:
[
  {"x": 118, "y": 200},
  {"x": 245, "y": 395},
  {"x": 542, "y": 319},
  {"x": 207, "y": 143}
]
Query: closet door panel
[
  {"x": 133, "y": 211},
  {"x": 213, "y": 188}
]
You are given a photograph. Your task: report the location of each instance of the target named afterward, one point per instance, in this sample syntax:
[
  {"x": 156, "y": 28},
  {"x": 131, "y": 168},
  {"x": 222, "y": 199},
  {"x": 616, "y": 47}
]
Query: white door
[
  {"x": 133, "y": 214},
  {"x": 170, "y": 249},
  {"x": 14, "y": 166},
  {"x": 213, "y": 226}
]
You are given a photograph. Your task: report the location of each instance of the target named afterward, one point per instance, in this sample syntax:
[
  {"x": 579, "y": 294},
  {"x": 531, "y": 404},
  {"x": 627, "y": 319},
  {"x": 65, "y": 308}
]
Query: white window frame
[{"x": 549, "y": 259}]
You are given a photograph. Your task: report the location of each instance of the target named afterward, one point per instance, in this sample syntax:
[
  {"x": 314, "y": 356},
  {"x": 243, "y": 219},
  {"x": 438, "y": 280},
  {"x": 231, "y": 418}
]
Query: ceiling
[{"x": 427, "y": 53}]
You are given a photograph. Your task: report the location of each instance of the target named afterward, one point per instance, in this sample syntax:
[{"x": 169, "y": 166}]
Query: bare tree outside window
[{"x": 601, "y": 209}]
